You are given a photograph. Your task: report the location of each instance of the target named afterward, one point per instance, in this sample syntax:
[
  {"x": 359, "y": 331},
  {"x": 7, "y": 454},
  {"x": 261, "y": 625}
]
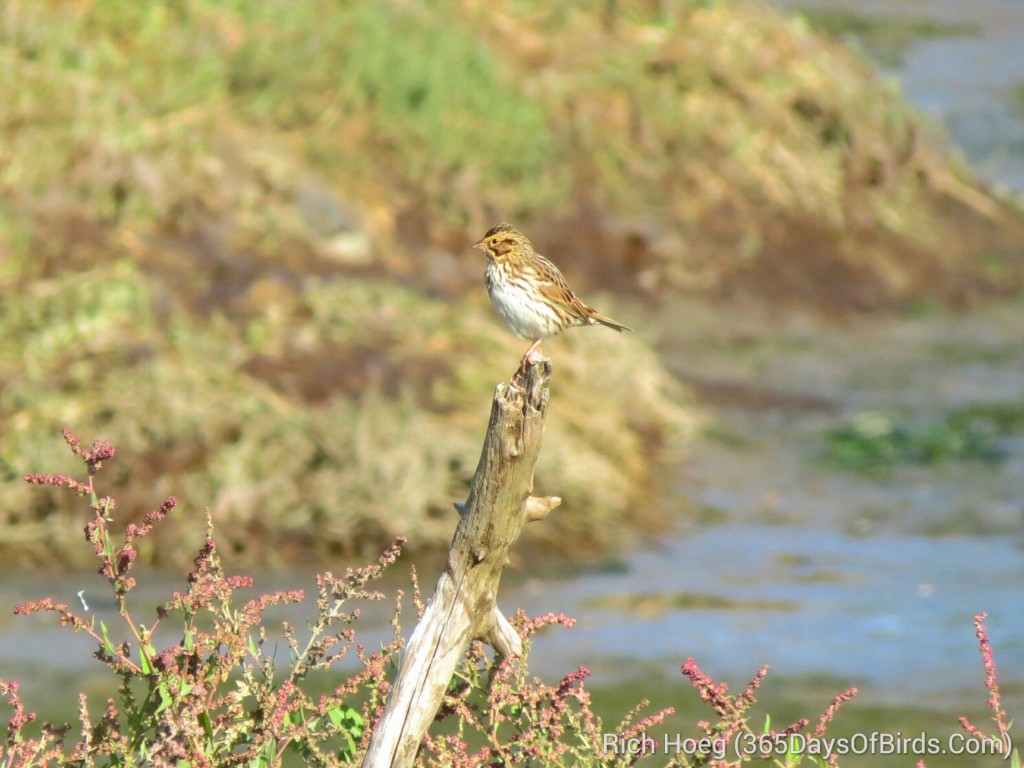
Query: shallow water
[
  {"x": 891, "y": 614},
  {"x": 871, "y": 579}
]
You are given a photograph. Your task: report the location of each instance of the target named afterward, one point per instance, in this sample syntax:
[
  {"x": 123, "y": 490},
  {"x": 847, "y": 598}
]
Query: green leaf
[
  {"x": 268, "y": 755},
  {"x": 165, "y": 698},
  {"x": 107, "y": 645},
  {"x": 354, "y": 722},
  {"x": 207, "y": 723},
  {"x": 791, "y": 756},
  {"x": 145, "y": 655}
]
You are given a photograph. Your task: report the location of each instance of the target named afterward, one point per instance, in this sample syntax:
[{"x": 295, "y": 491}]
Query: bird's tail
[{"x": 597, "y": 317}]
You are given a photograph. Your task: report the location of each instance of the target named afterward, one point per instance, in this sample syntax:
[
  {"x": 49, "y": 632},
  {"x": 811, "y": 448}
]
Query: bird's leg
[
  {"x": 533, "y": 348},
  {"x": 516, "y": 379}
]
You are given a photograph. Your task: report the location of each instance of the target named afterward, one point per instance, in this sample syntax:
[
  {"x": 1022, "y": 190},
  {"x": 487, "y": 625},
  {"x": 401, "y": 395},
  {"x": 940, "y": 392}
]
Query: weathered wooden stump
[{"x": 463, "y": 606}]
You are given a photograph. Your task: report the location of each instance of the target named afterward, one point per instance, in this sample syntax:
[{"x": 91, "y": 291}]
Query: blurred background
[{"x": 234, "y": 242}]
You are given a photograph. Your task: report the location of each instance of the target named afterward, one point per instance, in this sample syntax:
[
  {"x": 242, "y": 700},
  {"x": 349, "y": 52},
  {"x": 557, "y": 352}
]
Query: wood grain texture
[{"x": 464, "y": 606}]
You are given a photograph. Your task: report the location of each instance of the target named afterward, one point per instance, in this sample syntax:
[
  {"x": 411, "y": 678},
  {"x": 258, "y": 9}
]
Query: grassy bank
[
  {"x": 350, "y": 411},
  {"x": 234, "y": 241}
]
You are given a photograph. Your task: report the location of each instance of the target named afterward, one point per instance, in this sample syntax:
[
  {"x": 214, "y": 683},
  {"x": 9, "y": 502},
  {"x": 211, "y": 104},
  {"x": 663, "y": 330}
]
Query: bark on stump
[{"x": 463, "y": 606}]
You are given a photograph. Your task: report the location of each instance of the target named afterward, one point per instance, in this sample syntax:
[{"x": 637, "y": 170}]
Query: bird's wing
[{"x": 553, "y": 286}]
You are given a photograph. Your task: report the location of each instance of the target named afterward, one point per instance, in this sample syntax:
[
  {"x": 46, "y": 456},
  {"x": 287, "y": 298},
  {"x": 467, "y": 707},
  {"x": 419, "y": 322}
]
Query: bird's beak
[{"x": 480, "y": 246}]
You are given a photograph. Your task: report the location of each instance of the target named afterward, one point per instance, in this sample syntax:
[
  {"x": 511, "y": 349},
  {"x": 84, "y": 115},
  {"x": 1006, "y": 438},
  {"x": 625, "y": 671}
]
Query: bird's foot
[
  {"x": 535, "y": 347},
  {"x": 532, "y": 356}
]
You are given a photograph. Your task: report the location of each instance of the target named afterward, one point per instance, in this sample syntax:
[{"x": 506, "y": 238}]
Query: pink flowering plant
[
  {"x": 519, "y": 720},
  {"x": 212, "y": 694},
  {"x": 1001, "y": 734}
]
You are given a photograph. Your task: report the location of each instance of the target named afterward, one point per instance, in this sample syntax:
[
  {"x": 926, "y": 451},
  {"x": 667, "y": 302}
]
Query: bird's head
[{"x": 504, "y": 241}]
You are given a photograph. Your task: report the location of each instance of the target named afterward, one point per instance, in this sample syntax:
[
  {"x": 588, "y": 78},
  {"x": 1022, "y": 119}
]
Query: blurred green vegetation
[
  {"x": 873, "y": 441},
  {"x": 127, "y": 107},
  {"x": 233, "y": 242},
  {"x": 885, "y": 38}
]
